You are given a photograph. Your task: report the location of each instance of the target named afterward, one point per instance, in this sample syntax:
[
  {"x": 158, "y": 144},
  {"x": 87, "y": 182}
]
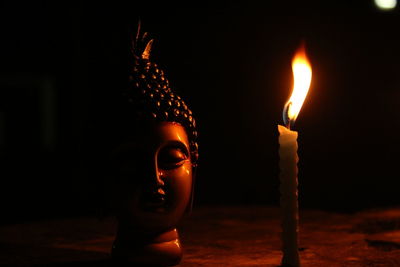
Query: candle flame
[{"x": 302, "y": 73}]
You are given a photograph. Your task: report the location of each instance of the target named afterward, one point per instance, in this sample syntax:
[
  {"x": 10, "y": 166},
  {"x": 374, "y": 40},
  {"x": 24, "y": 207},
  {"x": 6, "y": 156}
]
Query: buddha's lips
[{"x": 154, "y": 200}]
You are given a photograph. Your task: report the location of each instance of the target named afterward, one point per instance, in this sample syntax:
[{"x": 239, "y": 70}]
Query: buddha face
[{"x": 154, "y": 177}]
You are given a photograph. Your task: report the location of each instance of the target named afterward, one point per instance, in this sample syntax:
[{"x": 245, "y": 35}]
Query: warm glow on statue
[{"x": 154, "y": 162}]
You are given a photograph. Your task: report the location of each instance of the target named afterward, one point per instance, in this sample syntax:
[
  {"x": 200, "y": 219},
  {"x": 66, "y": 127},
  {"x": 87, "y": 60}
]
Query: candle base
[{"x": 292, "y": 262}]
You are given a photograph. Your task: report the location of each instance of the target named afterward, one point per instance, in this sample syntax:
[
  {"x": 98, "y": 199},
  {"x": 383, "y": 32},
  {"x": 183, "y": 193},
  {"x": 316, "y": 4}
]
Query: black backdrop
[{"x": 60, "y": 62}]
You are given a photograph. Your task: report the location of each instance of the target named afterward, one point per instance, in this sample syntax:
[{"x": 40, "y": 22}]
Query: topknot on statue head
[{"x": 149, "y": 97}]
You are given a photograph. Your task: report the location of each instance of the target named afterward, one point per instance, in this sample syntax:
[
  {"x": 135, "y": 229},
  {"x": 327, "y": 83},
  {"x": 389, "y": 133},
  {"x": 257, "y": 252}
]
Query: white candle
[
  {"x": 288, "y": 188},
  {"x": 288, "y": 160}
]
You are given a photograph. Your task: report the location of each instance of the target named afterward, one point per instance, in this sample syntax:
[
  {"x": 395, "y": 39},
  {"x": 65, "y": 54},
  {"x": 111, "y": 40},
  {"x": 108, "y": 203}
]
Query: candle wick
[{"x": 290, "y": 124}]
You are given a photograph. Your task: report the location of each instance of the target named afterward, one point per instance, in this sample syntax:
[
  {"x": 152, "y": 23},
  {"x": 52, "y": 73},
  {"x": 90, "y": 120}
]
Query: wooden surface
[{"x": 218, "y": 236}]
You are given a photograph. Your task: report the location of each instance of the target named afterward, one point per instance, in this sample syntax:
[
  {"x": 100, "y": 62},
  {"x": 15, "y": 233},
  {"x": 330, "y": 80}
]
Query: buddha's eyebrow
[{"x": 177, "y": 144}]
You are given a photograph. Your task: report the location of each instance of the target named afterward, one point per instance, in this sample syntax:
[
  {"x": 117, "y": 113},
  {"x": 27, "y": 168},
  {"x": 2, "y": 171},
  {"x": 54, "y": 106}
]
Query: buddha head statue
[{"x": 153, "y": 162}]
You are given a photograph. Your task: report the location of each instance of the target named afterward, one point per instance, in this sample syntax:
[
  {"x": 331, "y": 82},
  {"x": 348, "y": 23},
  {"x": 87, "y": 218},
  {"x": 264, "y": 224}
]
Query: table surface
[{"x": 217, "y": 236}]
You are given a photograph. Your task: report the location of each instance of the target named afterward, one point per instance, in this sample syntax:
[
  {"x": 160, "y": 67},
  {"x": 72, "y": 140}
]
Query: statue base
[{"x": 159, "y": 250}]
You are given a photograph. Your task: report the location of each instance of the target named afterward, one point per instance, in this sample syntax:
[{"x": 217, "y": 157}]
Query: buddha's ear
[{"x": 191, "y": 199}]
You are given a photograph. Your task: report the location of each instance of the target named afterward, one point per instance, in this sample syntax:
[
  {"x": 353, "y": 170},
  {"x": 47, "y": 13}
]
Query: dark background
[{"x": 232, "y": 64}]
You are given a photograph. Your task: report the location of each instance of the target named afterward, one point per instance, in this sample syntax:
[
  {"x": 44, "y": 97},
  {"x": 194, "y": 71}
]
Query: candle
[
  {"x": 288, "y": 159},
  {"x": 288, "y": 188}
]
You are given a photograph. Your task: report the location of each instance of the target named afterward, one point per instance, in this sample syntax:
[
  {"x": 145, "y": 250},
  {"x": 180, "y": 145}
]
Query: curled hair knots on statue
[{"x": 150, "y": 95}]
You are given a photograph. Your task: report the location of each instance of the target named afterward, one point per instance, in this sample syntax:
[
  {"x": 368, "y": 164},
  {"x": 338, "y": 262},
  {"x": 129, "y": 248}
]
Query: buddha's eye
[{"x": 171, "y": 157}]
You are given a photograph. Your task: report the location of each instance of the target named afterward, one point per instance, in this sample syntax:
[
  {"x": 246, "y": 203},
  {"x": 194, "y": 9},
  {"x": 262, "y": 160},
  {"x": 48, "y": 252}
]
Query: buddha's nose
[
  {"x": 155, "y": 175},
  {"x": 151, "y": 175},
  {"x": 159, "y": 178}
]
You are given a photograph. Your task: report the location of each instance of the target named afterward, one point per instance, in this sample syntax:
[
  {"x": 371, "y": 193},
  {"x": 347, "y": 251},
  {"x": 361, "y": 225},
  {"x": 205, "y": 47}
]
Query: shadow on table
[
  {"x": 29, "y": 255},
  {"x": 99, "y": 263},
  {"x": 95, "y": 263}
]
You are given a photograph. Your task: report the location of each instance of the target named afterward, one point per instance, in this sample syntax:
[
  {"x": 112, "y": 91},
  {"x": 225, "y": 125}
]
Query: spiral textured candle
[{"x": 288, "y": 189}]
